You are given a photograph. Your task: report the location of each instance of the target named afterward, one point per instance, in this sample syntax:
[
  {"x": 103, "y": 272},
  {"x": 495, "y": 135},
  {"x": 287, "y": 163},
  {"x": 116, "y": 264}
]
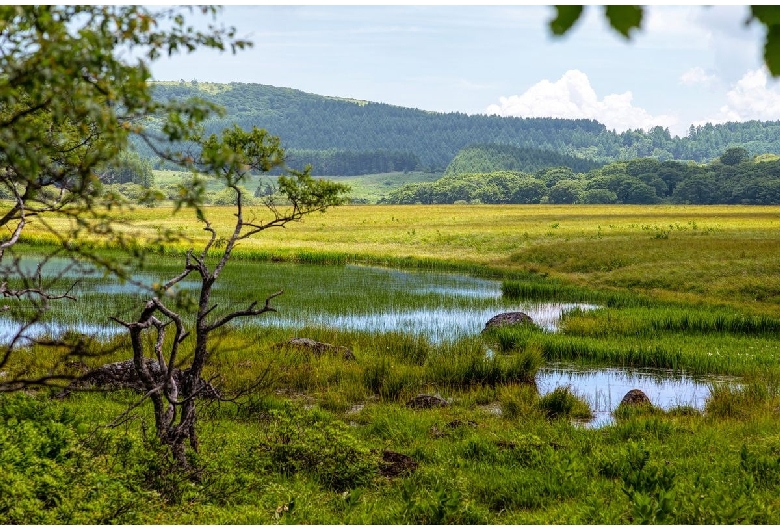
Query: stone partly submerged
[
  {"x": 318, "y": 348},
  {"x": 513, "y": 318},
  {"x": 123, "y": 375},
  {"x": 635, "y": 397}
]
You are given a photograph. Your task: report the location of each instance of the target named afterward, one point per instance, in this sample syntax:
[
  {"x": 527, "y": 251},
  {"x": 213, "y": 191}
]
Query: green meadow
[
  {"x": 364, "y": 188},
  {"x": 311, "y": 438}
]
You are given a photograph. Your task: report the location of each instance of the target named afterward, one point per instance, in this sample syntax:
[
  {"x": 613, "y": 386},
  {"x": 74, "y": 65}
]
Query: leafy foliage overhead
[{"x": 624, "y": 19}]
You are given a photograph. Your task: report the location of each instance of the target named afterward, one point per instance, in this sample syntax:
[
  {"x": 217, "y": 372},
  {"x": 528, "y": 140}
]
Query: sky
[{"x": 687, "y": 65}]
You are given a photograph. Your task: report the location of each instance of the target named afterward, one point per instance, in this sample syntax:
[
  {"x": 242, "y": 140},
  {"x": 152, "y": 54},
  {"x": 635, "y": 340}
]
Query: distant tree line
[
  {"x": 735, "y": 178},
  {"x": 487, "y": 158},
  {"x": 348, "y": 163},
  {"x": 128, "y": 167}
]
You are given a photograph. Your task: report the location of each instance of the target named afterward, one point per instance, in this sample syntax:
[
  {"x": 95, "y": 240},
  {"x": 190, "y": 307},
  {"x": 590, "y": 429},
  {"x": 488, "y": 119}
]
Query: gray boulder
[
  {"x": 635, "y": 397},
  {"x": 513, "y": 318},
  {"x": 318, "y": 348},
  {"x": 426, "y": 401}
]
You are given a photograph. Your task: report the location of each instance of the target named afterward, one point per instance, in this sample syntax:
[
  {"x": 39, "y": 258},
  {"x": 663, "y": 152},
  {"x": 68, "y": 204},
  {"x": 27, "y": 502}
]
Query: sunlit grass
[{"x": 680, "y": 253}]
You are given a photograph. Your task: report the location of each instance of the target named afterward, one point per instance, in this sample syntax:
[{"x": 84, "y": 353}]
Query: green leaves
[
  {"x": 622, "y": 18},
  {"x": 231, "y": 156},
  {"x": 769, "y": 16},
  {"x": 772, "y": 50},
  {"x": 565, "y": 19}
]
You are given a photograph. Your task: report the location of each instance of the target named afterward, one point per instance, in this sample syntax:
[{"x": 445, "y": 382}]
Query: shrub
[
  {"x": 562, "y": 402},
  {"x": 388, "y": 381},
  {"x": 729, "y": 401},
  {"x": 299, "y": 441},
  {"x": 46, "y": 476}
]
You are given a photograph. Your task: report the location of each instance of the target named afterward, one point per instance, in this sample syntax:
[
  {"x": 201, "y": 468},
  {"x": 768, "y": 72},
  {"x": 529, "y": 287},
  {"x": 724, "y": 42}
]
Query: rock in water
[
  {"x": 635, "y": 397},
  {"x": 513, "y": 318}
]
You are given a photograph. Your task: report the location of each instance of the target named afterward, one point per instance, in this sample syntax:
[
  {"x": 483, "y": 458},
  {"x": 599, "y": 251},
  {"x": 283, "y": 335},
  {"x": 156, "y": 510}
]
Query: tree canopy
[{"x": 735, "y": 178}]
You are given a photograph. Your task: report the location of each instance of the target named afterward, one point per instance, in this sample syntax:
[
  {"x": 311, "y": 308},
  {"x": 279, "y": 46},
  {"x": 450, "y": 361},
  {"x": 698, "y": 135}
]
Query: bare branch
[
  {"x": 249, "y": 311},
  {"x": 18, "y": 293},
  {"x": 122, "y": 417},
  {"x": 188, "y": 268}
]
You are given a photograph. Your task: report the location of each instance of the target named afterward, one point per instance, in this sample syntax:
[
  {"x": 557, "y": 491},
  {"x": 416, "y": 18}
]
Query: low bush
[
  {"x": 312, "y": 442},
  {"x": 563, "y": 403}
]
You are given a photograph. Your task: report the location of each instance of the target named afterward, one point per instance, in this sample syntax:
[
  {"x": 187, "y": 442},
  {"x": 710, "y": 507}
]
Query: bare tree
[{"x": 175, "y": 392}]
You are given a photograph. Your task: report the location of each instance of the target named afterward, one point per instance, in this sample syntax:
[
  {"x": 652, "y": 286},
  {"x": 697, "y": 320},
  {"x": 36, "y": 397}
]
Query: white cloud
[
  {"x": 697, "y": 76},
  {"x": 751, "y": 98},
  {"x": 573, "y": 97}
]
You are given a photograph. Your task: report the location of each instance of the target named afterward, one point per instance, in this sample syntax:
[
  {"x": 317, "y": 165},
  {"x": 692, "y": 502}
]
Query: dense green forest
[
  {"x": 735, "y": 178},
  {"x": 310, "y": 123},
  {"x": 491, "y": 157},
  {"x": 346, "y": 163}
]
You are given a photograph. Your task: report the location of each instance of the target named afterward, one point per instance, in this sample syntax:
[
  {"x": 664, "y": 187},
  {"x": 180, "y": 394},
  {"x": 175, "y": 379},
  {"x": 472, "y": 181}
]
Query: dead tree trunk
[{"x": 231, "y": 158}]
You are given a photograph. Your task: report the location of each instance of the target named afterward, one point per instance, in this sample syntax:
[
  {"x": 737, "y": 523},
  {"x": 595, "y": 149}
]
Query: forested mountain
[
  {"x": 491, "y": 157},
  {"x": 385, "y": 134},
  {"x": 310, "y": 122}
]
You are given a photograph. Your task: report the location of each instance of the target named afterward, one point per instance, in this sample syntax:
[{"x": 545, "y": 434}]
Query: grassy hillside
[{"x": 364, "y": 188}]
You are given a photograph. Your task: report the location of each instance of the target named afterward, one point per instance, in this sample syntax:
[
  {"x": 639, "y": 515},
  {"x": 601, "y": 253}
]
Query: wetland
[{"x": 531, "y": 430}]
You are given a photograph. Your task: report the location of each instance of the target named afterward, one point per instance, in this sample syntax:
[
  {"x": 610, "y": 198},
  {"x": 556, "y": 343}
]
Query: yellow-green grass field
[{"x": 714, "y": 254}]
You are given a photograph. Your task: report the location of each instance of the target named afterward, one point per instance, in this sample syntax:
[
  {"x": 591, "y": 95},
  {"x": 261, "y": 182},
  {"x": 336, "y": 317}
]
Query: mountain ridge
[{"x": 311, "y": 122}]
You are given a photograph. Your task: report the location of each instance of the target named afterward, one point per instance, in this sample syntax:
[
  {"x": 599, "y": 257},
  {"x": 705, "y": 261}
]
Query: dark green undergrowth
[{"x": 280, "y": 461}]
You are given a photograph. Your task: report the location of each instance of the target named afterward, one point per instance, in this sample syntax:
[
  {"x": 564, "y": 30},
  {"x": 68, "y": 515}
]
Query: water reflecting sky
[{"x": 440, "y": 306}]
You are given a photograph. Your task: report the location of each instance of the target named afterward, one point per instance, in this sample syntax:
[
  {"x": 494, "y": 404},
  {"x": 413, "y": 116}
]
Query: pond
[
  {"x": 604, "y": 388},
  {"x": 441, "y": 306}
]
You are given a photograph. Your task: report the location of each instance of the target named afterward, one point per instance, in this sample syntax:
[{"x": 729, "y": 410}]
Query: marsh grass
[
  {"x": 305, "y": 447},
  {"x": 742, "y": 401},
  {"x": 563, "y": 402},
  {"x": 711, "y": 253}
]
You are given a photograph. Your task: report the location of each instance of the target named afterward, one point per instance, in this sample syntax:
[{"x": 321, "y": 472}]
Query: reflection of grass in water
[
  {"x": 474, "y": 466},
  {"x": 326, "y": 295},
  {"x": 604, "y": 388}
]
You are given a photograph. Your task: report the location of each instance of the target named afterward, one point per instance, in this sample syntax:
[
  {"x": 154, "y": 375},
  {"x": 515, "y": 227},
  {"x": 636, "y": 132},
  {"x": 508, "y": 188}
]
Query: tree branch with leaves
[
  {"x": 626, "y": 19},
  {"x": 74, "y": 87}
]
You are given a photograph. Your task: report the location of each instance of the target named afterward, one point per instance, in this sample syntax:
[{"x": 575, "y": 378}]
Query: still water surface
[{"x": 440, "y": 306}]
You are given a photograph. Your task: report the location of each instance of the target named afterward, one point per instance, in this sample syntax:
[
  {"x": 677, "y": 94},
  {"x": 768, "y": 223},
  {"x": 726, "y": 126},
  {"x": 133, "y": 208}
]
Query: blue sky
[{"x": 689, "y": 64}]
